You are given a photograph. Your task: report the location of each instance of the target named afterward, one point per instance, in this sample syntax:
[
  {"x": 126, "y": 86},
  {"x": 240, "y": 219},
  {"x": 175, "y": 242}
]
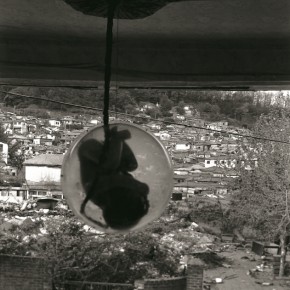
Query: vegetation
[
  {"x": 15, "y": 158},
  {"x": 75, "y": 254},
  {"x": 261, "y": 199}
]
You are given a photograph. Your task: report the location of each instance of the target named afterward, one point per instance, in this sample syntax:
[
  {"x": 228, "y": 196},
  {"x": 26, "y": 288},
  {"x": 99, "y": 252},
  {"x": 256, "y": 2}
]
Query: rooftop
[{"x": 46, "y": 159}]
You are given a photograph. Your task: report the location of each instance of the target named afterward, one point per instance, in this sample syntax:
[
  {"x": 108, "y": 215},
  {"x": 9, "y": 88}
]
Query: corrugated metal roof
[{"x": 45, "y": 160}]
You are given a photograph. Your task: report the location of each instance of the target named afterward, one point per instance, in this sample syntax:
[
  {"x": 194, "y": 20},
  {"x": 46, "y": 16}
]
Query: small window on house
[
  {"x": 1, "y": 147},
  {"x": 222, "y": 162},
  {"x": 207, "y": 162},
  {"x": 215, "y": 162}
]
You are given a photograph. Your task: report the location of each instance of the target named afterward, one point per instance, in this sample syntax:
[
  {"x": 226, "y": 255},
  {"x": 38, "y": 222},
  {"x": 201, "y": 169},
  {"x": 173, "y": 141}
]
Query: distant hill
[{"x": 238, "y": 107}]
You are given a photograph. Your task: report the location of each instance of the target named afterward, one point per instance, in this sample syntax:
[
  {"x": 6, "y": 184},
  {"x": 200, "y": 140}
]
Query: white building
[
  {"x": 220, "y": 125},
  {"x": 19, "y": 127},
  {"x": 54, "y": 123},
  {"x": 12, "y": 194},
  {"x": 180, "y": 117},
  {"x": 4, "y": 151},
  {"x": 220, "y": 161},
  {"x": 164, "y": 136},
  {"x": 182, "y": 147},
  {"x": 44, "y": 168}
]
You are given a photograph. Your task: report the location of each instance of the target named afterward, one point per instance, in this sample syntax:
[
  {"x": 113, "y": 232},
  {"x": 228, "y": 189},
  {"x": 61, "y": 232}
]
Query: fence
[{"x": 79, "y": 285}]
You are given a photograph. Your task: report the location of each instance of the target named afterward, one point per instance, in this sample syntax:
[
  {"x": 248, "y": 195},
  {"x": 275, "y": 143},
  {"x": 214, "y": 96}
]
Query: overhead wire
[{"x": 150, "y": 119}]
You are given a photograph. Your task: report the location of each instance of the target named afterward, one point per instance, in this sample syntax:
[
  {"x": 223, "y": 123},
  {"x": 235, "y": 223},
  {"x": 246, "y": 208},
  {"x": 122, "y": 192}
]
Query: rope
[{"x": 108, "y": 61}]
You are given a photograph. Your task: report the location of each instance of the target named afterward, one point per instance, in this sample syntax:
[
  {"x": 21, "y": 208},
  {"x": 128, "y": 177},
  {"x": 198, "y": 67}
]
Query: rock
[
  {"x": 194, "y": 225},
  {"x": 24, "y": 206}
]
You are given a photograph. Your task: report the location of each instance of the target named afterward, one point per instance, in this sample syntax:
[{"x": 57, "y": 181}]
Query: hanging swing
[{"x": 116, "y": 177}]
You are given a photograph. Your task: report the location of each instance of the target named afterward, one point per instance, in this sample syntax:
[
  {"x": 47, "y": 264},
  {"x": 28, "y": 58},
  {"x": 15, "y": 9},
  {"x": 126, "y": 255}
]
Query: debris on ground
[
  {"x": 250, "y": 258},
  {"x": 211, "y": 258},
  {"x": 264, "y": 283}
]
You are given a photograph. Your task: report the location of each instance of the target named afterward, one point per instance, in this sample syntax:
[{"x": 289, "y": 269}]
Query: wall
[
  {"x": 166, "y": 284},
  {"x": 192, "y": 281},
  {"x": 42, "y": 173},
  {"x": 195, "y": 271},
  {"x": 25, "y": 273}
]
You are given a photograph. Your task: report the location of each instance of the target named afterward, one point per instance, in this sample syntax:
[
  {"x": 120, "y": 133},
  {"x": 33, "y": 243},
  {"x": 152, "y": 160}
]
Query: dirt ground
[{"x": 240, "y": 272}]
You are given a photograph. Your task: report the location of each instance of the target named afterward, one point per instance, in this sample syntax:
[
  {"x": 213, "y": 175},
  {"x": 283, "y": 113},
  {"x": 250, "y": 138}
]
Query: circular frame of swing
[{"x": 155, "y": 168}]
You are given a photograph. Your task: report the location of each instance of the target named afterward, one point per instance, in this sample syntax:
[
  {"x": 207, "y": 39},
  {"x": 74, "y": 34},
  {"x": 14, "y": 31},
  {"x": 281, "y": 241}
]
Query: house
[
  {"x": 19, "y": 127},
  {"x": 146, "y": 106},
  {"x": 197, "y": 147},
  {"x": 182, "y": 147},
  {"x": 4, "y": 152},
  {"x": 190, "y": 188},
  {"x": 13, "y": 194},
  {"x": 229, "y": 146},
  {"x": 8, "y": 170},
  {"x": 188, "y": 110},
  {"x": 31, "y": 127},
  {"x": 43, "y": 168},
  {"x": 154, "y": 126},
  {"x": 7, "y": 126},
  {"x": 220, "y": 125},
  {"x": 181, "y": 171},
  {"x": 45, "y": 139},
  {"x": 23, "y": 140},
  {"x": 179, "y": 178},
  {"x": 164, "y": 136},
  {"x": 43, "y": 174},
  {"x": 197, "y": 122},
  {"x": 220, "y": 161},
  {"x": 54, "y": 123},
  {"x": 95, "y": 122},
  {"x": 180, "y": 117},
  {"x": 67, "y": 120}
]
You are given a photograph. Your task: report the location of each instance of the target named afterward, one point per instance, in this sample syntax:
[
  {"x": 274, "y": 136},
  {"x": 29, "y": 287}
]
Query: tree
[
  {"x": 123, "y": 102},
  {"x": 180, "y": 108},
  {"x": 262, "y": 193},
  {"x": 165, "y": 105},
  {"x": 3, "y": 136},
  {"x": 15, "y": 157},
  {"x": 153, "y": 112}
]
